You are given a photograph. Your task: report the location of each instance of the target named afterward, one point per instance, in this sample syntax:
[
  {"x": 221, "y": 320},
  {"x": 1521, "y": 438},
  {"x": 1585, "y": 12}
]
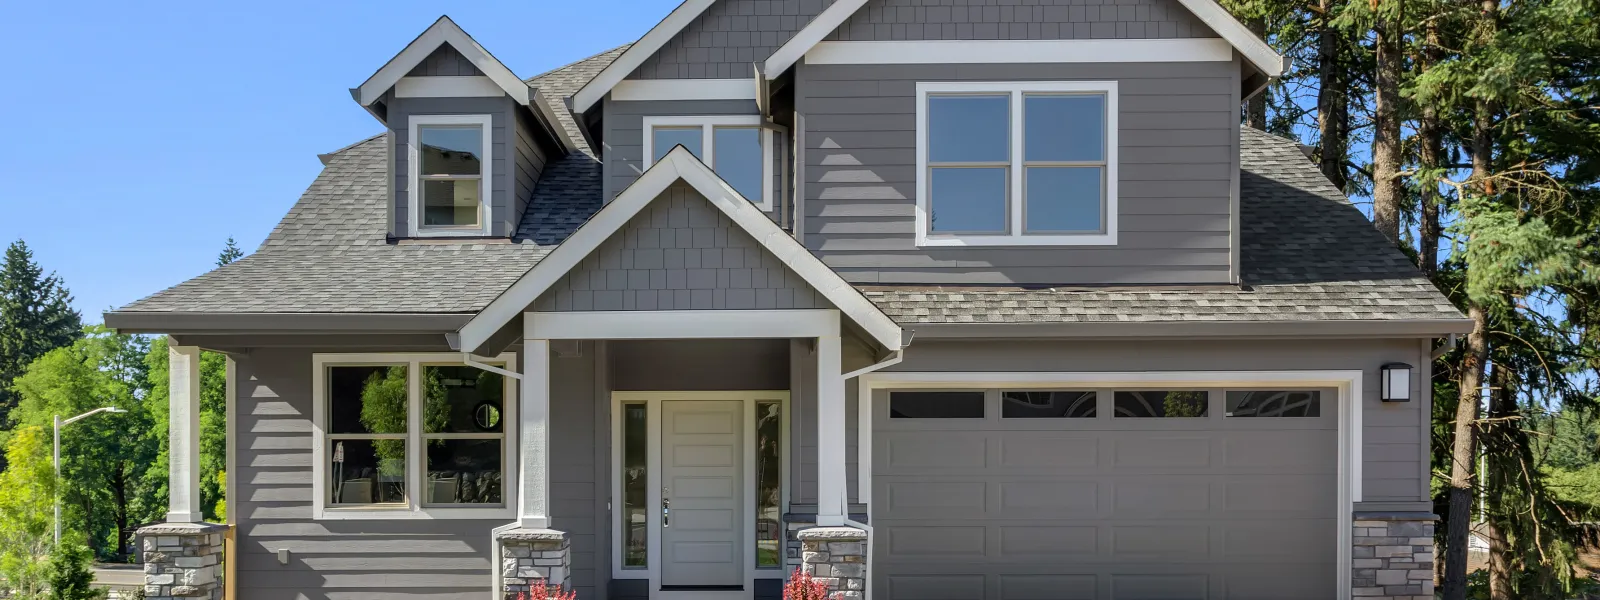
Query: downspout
[{"x": 864, "y": 407}]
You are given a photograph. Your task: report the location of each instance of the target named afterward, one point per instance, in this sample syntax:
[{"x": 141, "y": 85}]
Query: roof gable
[
  {"x": 1254, "y": 50},
  {"x": 636, "y": 54},
  {"x": 677, "y": 165}
]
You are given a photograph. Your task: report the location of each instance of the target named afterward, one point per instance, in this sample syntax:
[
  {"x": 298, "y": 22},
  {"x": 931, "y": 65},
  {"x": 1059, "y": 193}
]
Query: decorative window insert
[
  {"x": 739, "y": 149},
  {"x": 1004, "y": 164},
  {"x": 936, "y": 405},
  {"x": 1162, "y": 404},
  {"x": 1024, "y": 404},
  {"x": 402, "y": 436},
  {"x": 1274, "y": 403},
  {"x": 450, "y": 160}
]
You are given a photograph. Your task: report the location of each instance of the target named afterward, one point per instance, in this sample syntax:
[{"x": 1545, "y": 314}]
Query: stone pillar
[
  {"x": 182, "y": 560},
  {"x": 836, "y": 556},
  {"x": 1392, "y": 556},
  {"x": 533, "y": 557}
]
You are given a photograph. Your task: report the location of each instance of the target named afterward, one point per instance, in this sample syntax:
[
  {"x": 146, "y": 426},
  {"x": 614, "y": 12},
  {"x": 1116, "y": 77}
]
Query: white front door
[{"x": 702, "y": 493}]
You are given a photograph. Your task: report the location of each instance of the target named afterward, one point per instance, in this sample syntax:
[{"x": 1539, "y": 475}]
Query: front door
[{"x": 702, "y": 494}]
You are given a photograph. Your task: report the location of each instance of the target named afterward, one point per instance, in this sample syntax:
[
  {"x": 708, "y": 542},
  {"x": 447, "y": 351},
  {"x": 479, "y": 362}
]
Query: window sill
[
  {"x": 409, "y": 514},
  {"x": 1096, "y": 239}
]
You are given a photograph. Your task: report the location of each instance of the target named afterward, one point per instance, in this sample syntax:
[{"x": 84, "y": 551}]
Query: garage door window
[
  {"x": 936, "y": 405},
  {"x": 1161, "y": 404},
  {"x": 1047, "y": 405},
  {"x": 1274, "y": 403}
]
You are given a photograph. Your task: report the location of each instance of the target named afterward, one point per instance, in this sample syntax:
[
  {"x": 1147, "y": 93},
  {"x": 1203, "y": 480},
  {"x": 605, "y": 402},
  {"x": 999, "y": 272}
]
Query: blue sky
[{"x": 139, "y": 139}]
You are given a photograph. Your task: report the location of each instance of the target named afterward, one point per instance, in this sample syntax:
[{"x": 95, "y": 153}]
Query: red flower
[{"x": 802, "y": 586}]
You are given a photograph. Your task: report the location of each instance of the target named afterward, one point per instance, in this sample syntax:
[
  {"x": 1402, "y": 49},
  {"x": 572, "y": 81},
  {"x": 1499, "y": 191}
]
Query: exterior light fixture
[{"x": 1396, "y": 382}]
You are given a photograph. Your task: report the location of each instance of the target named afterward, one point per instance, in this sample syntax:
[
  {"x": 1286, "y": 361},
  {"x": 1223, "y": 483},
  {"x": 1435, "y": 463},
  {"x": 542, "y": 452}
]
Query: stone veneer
[
  {"x": 836, "y": 556},
  {"x": 530, "y": 557},
  {"x": 182, "y": 560},
  {"x": 1392, "y": 557}
]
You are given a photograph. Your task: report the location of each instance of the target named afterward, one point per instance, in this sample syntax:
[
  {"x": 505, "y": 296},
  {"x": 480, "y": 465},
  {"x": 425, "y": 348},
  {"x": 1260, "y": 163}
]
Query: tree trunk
[
  {"x": 1431, "y": 156},
  {"x": 1333, "y": 113},
  {"x": 1497, "y": 433},
  {"x": 1255, "y": 112},
  {"x": 1463, "y": 457},
  {"x": 119, "y": 491},
  {"x": 1386, "y": 153}
]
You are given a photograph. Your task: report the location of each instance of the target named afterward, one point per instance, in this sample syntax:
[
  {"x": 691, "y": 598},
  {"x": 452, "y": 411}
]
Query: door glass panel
[
  {"x": 1274, "y": 403},
  {"x": 1047, "y": 405},
  {"x": 1162, "y": 403},
  {"x": 936, "y": 405},
  {"x": 769, "y": 488},
  {"x": 635, "y": 494}
]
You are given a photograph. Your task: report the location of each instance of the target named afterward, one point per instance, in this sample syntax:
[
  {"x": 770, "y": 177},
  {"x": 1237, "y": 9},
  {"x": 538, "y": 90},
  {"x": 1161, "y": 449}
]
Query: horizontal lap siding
[
  {"x": 358, "y": 560},
  {"x": 503, "y": 144},
  {"x": 1177, "y": 141},
  {"x": 1393, "y": 436},
  {"x": 882, "y": 20},
  {"x": 531, "y": 158}
]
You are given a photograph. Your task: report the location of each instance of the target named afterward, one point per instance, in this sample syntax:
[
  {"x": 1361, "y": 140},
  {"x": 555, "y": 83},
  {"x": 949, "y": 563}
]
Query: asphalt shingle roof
[{"x": 1308, "y": 254}]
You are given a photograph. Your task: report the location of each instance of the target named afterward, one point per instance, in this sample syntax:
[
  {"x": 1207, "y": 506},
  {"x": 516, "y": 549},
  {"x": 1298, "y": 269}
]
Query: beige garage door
[{"x": 1104, "y": 494}]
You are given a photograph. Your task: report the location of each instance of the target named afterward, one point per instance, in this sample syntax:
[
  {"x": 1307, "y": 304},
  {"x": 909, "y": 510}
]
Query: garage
[{"x": 1102, "y": 494}]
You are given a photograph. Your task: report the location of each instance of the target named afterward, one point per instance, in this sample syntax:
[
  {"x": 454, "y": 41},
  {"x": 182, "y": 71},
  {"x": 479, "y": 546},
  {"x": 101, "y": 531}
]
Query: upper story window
[
  {"x": 737, "y": 148},
  {"x": 1003, "y": 164},
  {"x": 450, "y": 158}
]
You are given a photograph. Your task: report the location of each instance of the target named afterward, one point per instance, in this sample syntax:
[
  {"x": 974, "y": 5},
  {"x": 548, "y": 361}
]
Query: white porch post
[
  {"x": 831, "y": 490},
  {"x": 183, "y": 434},
  {"x": 533, "y": 501}
]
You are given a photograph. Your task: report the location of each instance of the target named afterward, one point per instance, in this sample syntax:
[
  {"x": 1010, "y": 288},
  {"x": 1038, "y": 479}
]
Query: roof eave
[
  {"x": 1346, "y": 328},
  {"x": 178, "y": 323}
]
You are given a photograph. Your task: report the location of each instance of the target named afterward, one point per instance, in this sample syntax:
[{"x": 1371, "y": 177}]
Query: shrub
[
  {"x": 551, "y": 592},
  {"x": 70, "y": 578},
  {"x": 802, "y": 586}
]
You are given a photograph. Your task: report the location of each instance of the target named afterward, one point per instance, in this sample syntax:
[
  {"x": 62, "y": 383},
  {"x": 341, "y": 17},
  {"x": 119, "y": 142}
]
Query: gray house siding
[
  {"x": 724, "y": 41},
  {"x": 883, "y": 20},
  {"x": 680, "y": 253},
  {"x": 531, "y": 157},
  {"x": 434, "y": 559},
  {"x": 1178, "y": 140},
  {"x": 1394, "y": 443},
  {"x": 502, "y": 140},
  {"x": 445, "y": 61}
]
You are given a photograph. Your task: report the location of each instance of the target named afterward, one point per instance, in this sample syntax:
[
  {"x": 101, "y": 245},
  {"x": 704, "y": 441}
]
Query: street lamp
[{"x": 57, "y": 457}]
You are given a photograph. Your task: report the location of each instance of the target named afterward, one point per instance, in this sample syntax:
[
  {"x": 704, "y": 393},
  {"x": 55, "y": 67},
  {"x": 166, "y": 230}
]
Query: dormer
[{"x": 467, "y": 137}]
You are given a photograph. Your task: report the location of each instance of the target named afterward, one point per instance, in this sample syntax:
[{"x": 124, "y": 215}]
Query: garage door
[{"x": 1104, "y": 494}]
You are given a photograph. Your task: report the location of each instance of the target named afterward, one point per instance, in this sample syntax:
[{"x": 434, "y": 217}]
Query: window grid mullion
[
  {"x": 1016, "y": 192},
  {"x": 707, "y": 137}
]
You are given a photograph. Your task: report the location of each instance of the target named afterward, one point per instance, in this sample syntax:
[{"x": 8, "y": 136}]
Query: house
[{"x": 936, "y": 300}]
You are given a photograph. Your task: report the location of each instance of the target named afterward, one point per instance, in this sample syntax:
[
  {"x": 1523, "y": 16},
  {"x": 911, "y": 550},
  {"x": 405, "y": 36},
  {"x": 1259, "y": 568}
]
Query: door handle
[{"x": 666, "y": 509}]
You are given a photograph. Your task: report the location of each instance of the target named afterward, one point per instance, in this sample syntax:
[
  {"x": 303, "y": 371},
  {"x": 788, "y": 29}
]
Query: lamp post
[{"x": 57, "y": 456}]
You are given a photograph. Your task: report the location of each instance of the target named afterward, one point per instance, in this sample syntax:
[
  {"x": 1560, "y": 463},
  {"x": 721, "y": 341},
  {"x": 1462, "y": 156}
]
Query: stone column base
[
  {"x": 182, "y": 560},
  {"x": 533, "y": 557},
  {"x": 836, "y": 556},
  {"x": 1392, "y": 556}
]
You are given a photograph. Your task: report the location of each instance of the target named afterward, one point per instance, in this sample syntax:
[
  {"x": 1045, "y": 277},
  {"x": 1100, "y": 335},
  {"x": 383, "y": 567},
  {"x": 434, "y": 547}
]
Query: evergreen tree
[
  {"x": 36, "y": 316},
  {"x": 230, "y": 253}
]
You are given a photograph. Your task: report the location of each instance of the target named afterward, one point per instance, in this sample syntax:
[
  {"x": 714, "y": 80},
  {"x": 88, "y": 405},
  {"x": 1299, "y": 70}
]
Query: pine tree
[
  {"x": 36, "y": 316},
  {"x": 230, "y": 253}
]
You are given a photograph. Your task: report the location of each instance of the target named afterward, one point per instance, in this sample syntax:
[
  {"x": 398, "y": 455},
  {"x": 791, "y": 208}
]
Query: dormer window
[{"x": 450, "y": 162}]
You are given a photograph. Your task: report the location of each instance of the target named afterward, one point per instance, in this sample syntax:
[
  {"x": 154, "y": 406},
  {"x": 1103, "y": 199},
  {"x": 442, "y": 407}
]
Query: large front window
[
  {"x": 738, "y": 148},
  {"x": 1016, "y": 163},
  {"x": 450, "y": 174},
  {"x": 409, "y": 435}
]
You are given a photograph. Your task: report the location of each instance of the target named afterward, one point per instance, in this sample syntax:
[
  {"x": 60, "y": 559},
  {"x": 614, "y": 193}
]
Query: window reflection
[
  {"x": 635, "y": 490},
  {"x": 464, "y": 456},
  {"x": 1044, "y": 405},
  {"x": 367, "y": 415},
  {"x": 1274, "y": 403},
  {"x": 1160, "y": 404},
  {"x": 769, "y": 487}
]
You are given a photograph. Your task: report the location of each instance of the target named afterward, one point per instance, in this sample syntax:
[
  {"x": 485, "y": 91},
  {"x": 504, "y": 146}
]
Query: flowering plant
[
  {"x": 802, "y": 586},
  {"x": 547, "y": 592}
]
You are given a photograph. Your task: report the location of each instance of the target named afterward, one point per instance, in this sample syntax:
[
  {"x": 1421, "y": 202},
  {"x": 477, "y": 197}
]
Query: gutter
[
  {"x": 1427, "y": 328},
  {"x": 221, "y": 323},
  {"x": 1449, "y": 344}
]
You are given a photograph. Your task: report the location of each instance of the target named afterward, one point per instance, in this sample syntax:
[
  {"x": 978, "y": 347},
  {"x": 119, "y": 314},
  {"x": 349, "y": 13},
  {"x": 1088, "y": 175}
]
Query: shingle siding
[
  {"x": 1178, "y": 136},
  {"x": 680, "y": 253},
  {"x": 728, "y": 37},
  {"x": 883, "y": 20},
  {"x": 445, "y": 61}
]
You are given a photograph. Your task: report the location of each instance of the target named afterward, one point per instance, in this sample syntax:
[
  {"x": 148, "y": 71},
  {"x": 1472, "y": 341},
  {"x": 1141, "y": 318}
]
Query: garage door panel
[
  {"x": 1279, "y": 451},
  {"x": 936, "y": 587},
  {"x": 942, "y": 452},
  {"x": 934, "y": 499},
  {"x": 940, "y": 541},
  {"x": 1278, "y": 540},
  {"x": 1190, "y": 586},
  {"x": 1276, "y": 496},
  {"x": 1161, "y": 452},
  {"x": 1047, "y": 587},
  {"x": 1048, "y": 542},
  {"x": 1283, "y": 581},
  {"x": 1055, "y": 452},
  {"x": 1166, "y": 542},
  {"x": 1160, "y": 498},
  {"x": 1053, "y": 499}
]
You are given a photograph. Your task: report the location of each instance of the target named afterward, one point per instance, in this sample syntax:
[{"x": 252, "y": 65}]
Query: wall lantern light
[{"x": 1396, "y": 382}]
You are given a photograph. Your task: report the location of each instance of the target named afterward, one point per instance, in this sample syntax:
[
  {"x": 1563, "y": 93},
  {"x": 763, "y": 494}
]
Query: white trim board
[
  {"x": 680, "y": 324},
  {"x": 636, "y": 54},
  {"x": 1020, "y": 51},
  {"x": 415, "y": 469},
  {"x": 684, "y": 89},
  {"x": 1348, "y": 384},
  {"x": 473, "y": 86},
  {"x": 652, "y": 402},
  {"x": 677, "y": 165},
  {"x": 808, "y": 44},
  {"x": 708, "y": 146}
]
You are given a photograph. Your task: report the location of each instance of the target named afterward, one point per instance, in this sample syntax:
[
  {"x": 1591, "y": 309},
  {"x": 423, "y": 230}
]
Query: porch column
[
  {"x": 533, "y": 501},
  {"x": 183, "y": 434},
  {"x": 831, "y": 490}
]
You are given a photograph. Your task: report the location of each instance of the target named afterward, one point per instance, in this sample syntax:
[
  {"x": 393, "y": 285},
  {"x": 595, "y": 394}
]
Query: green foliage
[
  {"x": 36, "y": 316},
  {"x": 27, "y": 489},
  {"x": 230, "y": 253},
  {"x": 384, "y": 410},
  {"x": 70, "y": 577}
]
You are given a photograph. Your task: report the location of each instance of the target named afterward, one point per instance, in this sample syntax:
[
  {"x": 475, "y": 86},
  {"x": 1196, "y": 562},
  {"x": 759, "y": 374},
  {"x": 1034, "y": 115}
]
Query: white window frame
[
  {"x": 1015, "y": 189},
  {"x": 707, "y": 125},
  {"x": 414, "y": 176},
  {"x": 416, "y": 459}
]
